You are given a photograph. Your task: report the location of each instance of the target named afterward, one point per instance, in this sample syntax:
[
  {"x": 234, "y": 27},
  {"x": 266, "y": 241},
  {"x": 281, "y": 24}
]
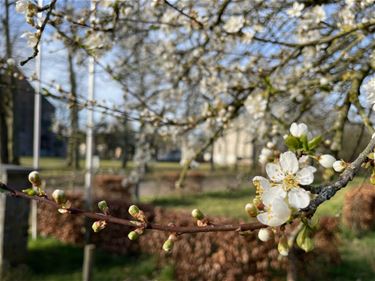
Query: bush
[
  {"x": 359, "y": 208},
  {"x": 202, "y": 256}
]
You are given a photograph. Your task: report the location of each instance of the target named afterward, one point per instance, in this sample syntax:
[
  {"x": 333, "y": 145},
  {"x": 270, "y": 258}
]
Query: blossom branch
[
  {"x": 50, "y": 8},
  {"x": 136, "y": 224},
  {"x": 325, "y": 192}
]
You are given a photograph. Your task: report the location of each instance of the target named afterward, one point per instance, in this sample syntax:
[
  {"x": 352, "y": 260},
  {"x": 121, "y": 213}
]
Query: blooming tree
[{"x": 192, "y": 67}]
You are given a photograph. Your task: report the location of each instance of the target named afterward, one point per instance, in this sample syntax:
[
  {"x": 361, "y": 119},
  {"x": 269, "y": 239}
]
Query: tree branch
[{"x": 136, "y": 224}]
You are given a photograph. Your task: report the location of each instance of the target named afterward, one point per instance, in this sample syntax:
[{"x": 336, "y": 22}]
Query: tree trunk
[{"x": 73, "y": 144}]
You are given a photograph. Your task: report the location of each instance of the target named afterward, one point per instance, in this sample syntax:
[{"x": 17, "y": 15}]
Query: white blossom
[
  {"x": 339, "y": 166},
  {"x": 264, "y": 234},
  {"x": 369, "y": 88},
  {"x": 22, "y": 6},
  {"x": 327, "y": 160},
  {"x": 298, "y": 130},
  {"x": 264, "y": 155},
  {"x": 319, "y": 14},
  {"x": 234, "y": 24},
  {"x": 277, "y": 213},
  {"x": 31, "y": 38},
  {"x": 256, "y": 105},
  {"x": 287, "y": 176},
  {"x": 296, "y": 10}
]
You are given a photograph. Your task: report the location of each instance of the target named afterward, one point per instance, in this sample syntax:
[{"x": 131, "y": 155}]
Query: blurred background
[{"x": 177, "y": 105}]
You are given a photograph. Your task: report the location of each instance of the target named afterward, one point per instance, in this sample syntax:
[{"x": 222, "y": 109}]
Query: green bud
[
  {"x": 98, "y": 226},
  {"x": 59, "y": 196},
  {"x": 251, "y": 210},
  {"x": 102, "y": 205},
  {"x": 304, "y": 240},
  {"x": 133, "y": 210},
  {"x": 35, "y": 179},
  {"x": 29, "y": 191},
  {"x": 283, "y": 246},
  {"x": 168, "y": 245},
  {"x": 133, "y": 235},
  {"x": 197, "y": 214}
]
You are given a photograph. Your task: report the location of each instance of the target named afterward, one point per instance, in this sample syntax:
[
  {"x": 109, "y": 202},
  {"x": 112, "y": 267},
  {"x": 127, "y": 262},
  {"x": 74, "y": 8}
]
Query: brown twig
[
  {"x": 184, "y": 14},
  {"x": 136, "y": 224}
]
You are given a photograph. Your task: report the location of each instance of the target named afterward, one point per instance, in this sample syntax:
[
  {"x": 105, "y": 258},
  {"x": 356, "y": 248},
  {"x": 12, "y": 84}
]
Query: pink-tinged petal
[
  {"x": 274, "y": 172},
  {"x": 299, "y": 198},
  {"x": 289, "y": 162},
  {"x": 306, "y": 175}
]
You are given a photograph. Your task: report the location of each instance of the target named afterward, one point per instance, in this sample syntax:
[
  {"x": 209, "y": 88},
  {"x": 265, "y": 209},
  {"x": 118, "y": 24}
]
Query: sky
[{"x": 54, "y": 64}]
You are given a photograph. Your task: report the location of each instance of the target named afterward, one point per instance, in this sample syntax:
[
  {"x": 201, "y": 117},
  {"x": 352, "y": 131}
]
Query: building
[
  {"x": 24, "y": 120},
  {"x": 234, "y": 146}
]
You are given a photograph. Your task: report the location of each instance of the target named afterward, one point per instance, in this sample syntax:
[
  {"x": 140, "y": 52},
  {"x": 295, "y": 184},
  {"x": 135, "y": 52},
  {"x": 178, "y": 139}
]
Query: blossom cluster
[{"x": 283, "y": 193}]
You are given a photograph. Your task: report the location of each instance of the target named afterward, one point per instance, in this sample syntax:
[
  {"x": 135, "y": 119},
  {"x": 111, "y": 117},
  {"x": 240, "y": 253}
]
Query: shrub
[{"x": 359, "y": 208}]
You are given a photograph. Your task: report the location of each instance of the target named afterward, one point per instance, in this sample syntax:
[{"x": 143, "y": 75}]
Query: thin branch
[
  {"x": 184, "y": 14},
  {"x": 50, "y": 8},
  {"x": 136, "y": 224},
  {"x": 326, "y": 192}
]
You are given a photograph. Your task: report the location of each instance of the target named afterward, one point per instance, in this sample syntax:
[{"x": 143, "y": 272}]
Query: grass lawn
[{"x": 51, "y": 260}]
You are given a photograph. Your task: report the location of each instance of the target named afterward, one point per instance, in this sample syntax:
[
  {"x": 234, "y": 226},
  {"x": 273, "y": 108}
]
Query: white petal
[
  {"x": 264, "y": 183},
  {"x": 273, "y": 193},
  {"x": 302, "y": 129},
  {"x": 306, "y": 175},
  {"x": 278, "y": 213},
  {"x": 294, "y": 130},
  {"x": 281, "y": 209},
  {"x": 327, "y": 160},
  {"x": 339, "y": 166},
  {"x": 274, "y": 172},
  {"x": 264, "y": 234},
  {"x": 299, "y": 198},
  {"x": 288, "y": 162}
]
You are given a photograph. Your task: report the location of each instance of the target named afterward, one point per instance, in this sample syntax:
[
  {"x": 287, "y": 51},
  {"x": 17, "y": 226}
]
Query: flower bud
[
  {"x": 327, "y": 160},
  {"x": 102, "y": 205},
  {"x": 283, "y": 246},
  {"x": 98, "y": 226},
  {"x": 59, "y": 196},
  {"x": 168, "y": 245},
  {"x": 251, "y": 210},
  {"x": 339, "y": 166},
  {"x": 264, "y": 234},
  {"x": 304, "y": 240},
  {"x": 133, "y": 235},
  {"x": 133, "y": 210},
  {"x": 35, "y": 179},
  {"x": 298, "y": 130},
  {"x": 258, "y": 203},
  {"x": 197, "y": 214}
]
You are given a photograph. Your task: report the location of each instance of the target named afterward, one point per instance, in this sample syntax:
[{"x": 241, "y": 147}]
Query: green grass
[
  {"x": 219, "y": 203},
  {"x": 51, "y": 260}
]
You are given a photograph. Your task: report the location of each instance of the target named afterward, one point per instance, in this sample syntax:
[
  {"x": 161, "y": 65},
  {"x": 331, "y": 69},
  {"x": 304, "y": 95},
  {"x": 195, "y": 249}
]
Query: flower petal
[
  {"x": 274, "y": 172},
  {"x": 306, "y": 175},
  {"x": 294, "y": 129},
  {"x": 288, "y": 162},
  {"x": 299, "y": 198},
  {"x": 277, "y": 214},
  {"x": 273, "y": 193},
  {"x": 263, "y": 182}
]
